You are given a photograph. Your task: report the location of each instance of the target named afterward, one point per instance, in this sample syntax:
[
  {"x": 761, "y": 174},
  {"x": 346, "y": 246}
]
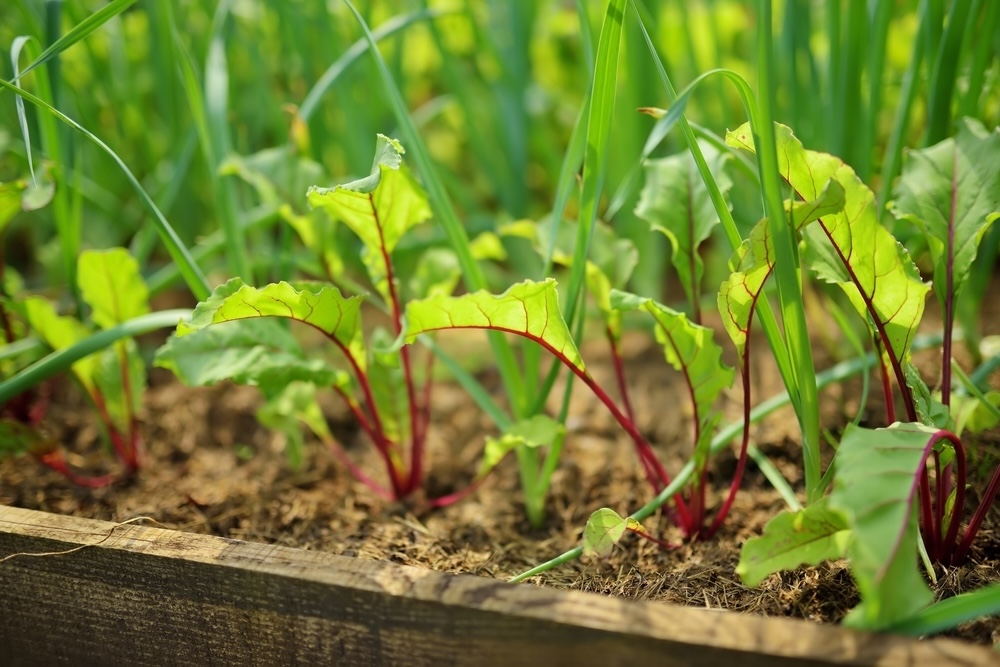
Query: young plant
[
  {"x": 114, "y": 380},
  {"x": 951, "y": 192}
]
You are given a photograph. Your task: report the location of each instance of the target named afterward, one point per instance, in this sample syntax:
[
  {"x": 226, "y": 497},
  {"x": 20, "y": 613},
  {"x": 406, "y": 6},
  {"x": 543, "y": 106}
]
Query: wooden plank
[{"x": 147, "y": 596}]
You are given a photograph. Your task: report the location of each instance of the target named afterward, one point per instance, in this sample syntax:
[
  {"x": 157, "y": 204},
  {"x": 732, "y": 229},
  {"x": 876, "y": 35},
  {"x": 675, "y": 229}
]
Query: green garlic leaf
[
  {"x": 807, "y": 537},
  {"x": 676, "y": 202},
  {"x": 112, "y": 285},
  {"x": 529, "y": 309},
  {"x": 876, "y": 487},
  {"x": 952, "y": 192}
]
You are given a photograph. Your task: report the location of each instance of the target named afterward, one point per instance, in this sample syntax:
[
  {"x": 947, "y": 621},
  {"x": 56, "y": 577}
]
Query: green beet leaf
[
  {"x": 952, "y": 192},
  {"x": 690, "y": 348},
  {"x": 120, "y": 377},
  {"x": 604, "y": 530},
  {"x": 287, "y": 411},
  {"x": 538, "y": 431},
  {"x": 379, "y": 208},
  {"x": 257, "y": 352},
  {"x": 878, "y": 472},
  {"x": 753, "y": 262},
  {"x": 529, "y": 309},
  {"x": 676, "y": 202},
  {"x": 59, "y": 332},
  {"x": 807, "y": 537},
  {"x": 874, "y": 270},
  {"x": 318, "y": 305},
  {"x": 10, "y": 201},
  {"x": 112, "y": 285}
]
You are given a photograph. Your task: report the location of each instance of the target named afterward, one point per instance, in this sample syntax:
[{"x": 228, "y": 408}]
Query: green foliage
[
  {"x": 808, "y": 537},
  {"x": 529, "y": 309},
  {"x": 604, "y": 530},
  {"x": 875, "y": 489},
  {"x": 952, "y": 192},
  {"x": 676, "y": 202},
  {"x": 538, "y": 431}
]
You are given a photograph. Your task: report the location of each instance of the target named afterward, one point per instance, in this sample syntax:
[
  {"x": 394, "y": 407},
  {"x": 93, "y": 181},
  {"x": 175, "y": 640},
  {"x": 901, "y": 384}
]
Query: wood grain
[{"x": 147, "y": 596}]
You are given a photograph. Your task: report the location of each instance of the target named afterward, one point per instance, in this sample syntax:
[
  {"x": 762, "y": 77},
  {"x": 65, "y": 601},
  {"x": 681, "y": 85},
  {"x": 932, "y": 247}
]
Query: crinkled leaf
[
  {"x": 603, "y": 531},
  {"x": 753, "y": 262},
  {"x": 807, "y": 537},
  {"x": 18, "y": 439},
  {"x": 121, "y": 389},
  {"x": 676, "y": 202},
  {"x": 690, "y": 348},
  {"x": 538, "y": 431},
  {"x": 874, "y": 270},
  {"x": 257, "y": 352},
  {"x": 878, "y": 473},
  {"x": 287, "y": 411},
  {"x": 529, "y": 309},
  {"x": 379, "y": 208},
  {"x": 277, "y": 174},
  {"x": 59, "y": 332},
  {"x": 930, "y": 409},
  {"x": 112, "y": 285},
  {"x": 319, "y": 305},
  {"x": 952, "y": 192}
]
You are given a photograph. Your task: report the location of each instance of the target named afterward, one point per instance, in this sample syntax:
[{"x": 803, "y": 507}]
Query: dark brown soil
[{"x": 210, "y": 468}]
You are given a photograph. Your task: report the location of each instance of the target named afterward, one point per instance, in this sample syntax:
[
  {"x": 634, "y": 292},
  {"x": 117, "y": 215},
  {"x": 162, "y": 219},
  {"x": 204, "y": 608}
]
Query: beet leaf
[
  {"x": 676, "y": 202},
  {"x": 878, "y": 477}
]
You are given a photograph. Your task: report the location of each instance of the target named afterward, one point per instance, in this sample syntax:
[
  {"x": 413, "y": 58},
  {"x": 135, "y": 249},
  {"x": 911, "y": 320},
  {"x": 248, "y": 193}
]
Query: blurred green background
[{"x": 495, "y": 86}]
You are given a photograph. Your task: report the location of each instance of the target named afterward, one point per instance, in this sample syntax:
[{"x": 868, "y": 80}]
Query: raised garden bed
[{"x": 94, "y": 592}]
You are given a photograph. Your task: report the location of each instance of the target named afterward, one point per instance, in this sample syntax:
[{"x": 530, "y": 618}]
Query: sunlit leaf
[
  {"x": 603, "y": 531},
  {"x": 878, "y": 473},
  {"x": 866, "y": 261},
  {"x": 379, "y": 208},
  {"x": 952, "y": 192},
  {"x": 807, "y": 537},
  {"x": 318, "y": 305},
  {"x": 688, "y": 347},
  {"x": 676, "y": 202},
  {"x": 256, "y": 352},
  {"x": 112, "y": 285},
  {"x": 753, "y": 262},
  {"x": 529, "y": 309},
  {"x": 59, "y": 332}
]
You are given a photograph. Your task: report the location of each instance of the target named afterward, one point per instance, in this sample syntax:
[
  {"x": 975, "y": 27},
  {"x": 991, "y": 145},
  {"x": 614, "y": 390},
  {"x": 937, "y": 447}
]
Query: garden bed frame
[{"x": 91, "y": 592}]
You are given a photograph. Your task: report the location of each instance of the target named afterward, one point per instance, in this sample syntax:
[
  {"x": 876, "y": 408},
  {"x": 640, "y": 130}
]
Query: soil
[{"x": 210, "y": 468}]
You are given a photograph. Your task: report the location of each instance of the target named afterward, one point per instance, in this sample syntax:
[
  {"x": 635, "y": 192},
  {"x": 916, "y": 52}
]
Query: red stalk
[
  {"x": 55, "y": 461},
  {"x": 341, "y": 456},
  {"x": 977, "y": 519}
]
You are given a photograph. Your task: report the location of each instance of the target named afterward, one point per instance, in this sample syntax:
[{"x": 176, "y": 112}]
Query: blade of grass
[
  {"x": 943, "y": 75},
  {"x": 786, "y": 270},
  {"x": 952, "y": 612},
  {"x": 175, "y": 247}
]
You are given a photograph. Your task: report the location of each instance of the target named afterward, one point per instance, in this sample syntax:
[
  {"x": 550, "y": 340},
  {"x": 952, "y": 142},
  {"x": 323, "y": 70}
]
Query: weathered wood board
[{"x": 147, "y": 596}]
